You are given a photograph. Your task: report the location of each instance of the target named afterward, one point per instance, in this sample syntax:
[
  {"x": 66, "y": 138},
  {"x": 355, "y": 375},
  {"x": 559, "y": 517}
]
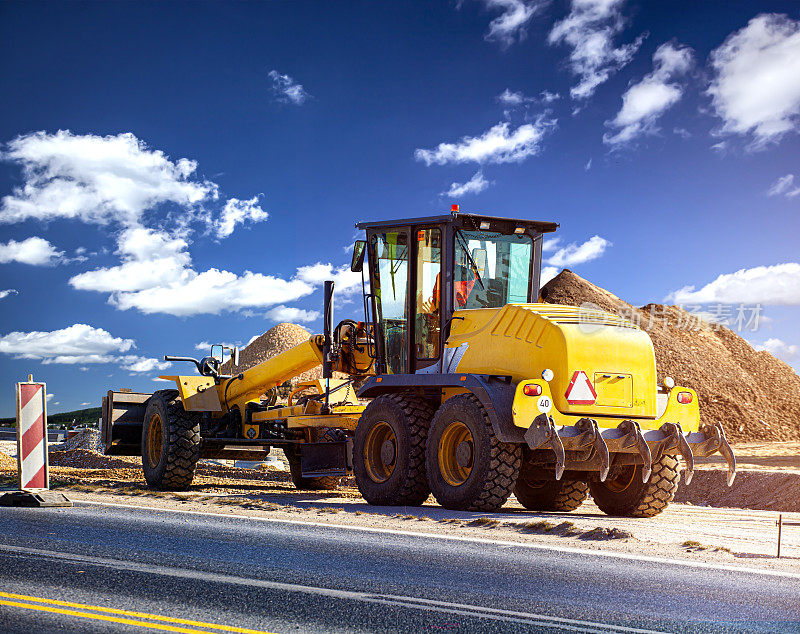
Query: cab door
[
  {"x": 389, "y": 274},
  {"x": 428, "y": 290}
]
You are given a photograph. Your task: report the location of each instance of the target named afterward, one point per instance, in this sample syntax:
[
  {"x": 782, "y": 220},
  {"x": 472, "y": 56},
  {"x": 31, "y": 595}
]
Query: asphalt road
[{"x": 93, "y": 568}]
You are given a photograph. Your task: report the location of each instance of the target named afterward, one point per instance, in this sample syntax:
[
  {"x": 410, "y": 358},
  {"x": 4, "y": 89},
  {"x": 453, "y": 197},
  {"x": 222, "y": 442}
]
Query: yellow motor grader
[{"x": 475, "y": 389}]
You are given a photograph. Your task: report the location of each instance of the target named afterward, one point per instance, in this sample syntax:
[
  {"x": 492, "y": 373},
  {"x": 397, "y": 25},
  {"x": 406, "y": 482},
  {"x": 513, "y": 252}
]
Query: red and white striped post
[
  {"x": 32, "y": 435},
  {"x": 32, "y": 465}
]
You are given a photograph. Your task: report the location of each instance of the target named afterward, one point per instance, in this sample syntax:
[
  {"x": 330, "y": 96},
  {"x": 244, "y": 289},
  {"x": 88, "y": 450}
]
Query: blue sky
[{"x": 173, "y": 173}]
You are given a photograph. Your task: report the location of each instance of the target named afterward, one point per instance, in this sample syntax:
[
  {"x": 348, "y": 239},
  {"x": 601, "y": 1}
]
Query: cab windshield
[{"x": 491, "y": 269}]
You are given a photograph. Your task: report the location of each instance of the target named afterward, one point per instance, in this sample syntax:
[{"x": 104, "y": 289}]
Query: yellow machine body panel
[
  {"x": 526, "y": 408},
  {"x": 198, "y": 393},
  {"x": 523, "y": 340}
]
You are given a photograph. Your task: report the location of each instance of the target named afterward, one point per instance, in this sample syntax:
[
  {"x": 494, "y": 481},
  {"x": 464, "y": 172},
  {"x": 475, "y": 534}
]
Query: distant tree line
[{"x": 78, "y": 418}]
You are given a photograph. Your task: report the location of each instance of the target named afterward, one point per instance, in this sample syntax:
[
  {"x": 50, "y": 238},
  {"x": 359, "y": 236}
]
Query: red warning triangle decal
[{"x": 580, "y": 390}]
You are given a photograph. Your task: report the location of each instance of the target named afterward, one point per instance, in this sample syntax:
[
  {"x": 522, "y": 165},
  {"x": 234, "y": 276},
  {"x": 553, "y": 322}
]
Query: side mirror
[
  {"x": 359, "y": 249},
  {"x": 235, "y": 357}
]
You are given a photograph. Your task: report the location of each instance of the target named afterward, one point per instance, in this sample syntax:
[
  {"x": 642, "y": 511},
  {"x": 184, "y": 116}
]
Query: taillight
[
  {"x": 684, "y": 398},
  {"x": 531, "y": 389}
]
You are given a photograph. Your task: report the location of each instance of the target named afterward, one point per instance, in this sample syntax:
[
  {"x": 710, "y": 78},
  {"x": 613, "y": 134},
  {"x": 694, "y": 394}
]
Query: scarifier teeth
[
  {"x": 543, "y": 432},
  {"x": 635, "y": 438},
  {"x": 594, "y": 437},
  {"x": 727, "y": 452},
  {"x": 675, "y": 433}
]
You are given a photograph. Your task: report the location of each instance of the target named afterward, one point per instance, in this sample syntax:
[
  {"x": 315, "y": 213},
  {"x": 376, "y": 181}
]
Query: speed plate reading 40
[{"x": 544, "y": 404}]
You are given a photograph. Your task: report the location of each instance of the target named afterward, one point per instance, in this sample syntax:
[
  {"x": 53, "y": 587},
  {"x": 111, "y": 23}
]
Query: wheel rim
[
  {"x": 380, "y": 452},
  {"x": 456, "y": 453},
  {"x": 622, "y": 480},
  {"x": 155, "y": 433}
]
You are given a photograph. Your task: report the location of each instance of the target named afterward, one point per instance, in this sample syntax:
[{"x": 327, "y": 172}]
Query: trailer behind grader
[{"x": 476, "y": 390}]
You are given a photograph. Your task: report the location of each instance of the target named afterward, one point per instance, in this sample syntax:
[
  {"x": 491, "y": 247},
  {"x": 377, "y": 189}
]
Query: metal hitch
[
  {"x": 676, "y": 440},
  {"x": 543, "y": 432},
  {"x": 634, "y": 438}
]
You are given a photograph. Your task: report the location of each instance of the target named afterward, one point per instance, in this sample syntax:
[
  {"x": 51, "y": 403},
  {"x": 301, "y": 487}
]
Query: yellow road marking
[{"x": 102, "y": 617}]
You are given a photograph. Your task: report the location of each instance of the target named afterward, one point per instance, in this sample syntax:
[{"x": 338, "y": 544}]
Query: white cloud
[
  {"x": 644, "y": 102},
  {"x": 574, "y": 254},
  {"x": 238, "y": 212},
  {"x": 86, "y": 403},
  {"x": 510, "y": 25},
  {"x": 9, "y": 291},
  {"x": 50, "y": 397},
  {"x": 292, "y": 314},
  {"x": 474, "y": 185},
  {"x": 96, "y": 179},
  {"x": 549, "y": 97},
  {"x": 345, "y": 281},
  {"x": 780, "y": 349},
  {"x": 134, "y": 363},
  {"x": 509, "y": 98},
  {"x": 682, "y": 132},
  {"x": 205, "y": 346},
  {"x": 772, "y": 285},
  {"x": 590, "y": 29},
  {"x": 588, "y": 165},
  {"x": 36, "y": 251},
  {"x": 756, "y": 84},
  {"x": 212, "y": 292},
  {"x": 78, "y": 343},
  {"x": 499, "y": 144},
  {"x": 784, "y": 185},
  {"x": 150, "y": 258},
  {"x": 548, "y": 273},
  {"x": 550, "y": 244},
  {"x": 287, "y": 90}
]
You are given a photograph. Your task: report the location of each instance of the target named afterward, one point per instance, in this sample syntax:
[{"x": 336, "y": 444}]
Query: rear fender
[{"x": 495, "y": 393}]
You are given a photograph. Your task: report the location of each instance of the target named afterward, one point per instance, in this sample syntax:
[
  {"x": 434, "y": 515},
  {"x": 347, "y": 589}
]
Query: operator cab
[{"x": 422, "y": 271}]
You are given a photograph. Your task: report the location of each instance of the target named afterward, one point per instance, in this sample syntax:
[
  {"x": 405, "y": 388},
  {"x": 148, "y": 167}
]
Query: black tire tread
[
  {"x": 505, "y": 461},
  {"x": 183, "y": 444},
  {"x": 572, "y": 495},
  {"x": 417, "y": 414},
  {"x": 655, "y": 496}
]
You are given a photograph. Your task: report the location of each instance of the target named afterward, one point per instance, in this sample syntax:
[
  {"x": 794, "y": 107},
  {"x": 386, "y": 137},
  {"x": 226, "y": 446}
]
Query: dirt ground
[{"x": 693, "y": 531}]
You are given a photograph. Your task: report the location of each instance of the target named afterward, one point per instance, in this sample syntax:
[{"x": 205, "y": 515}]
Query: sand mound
[
  {"x": 753, "y": 394},
  {"x": 276, "y": 340}
]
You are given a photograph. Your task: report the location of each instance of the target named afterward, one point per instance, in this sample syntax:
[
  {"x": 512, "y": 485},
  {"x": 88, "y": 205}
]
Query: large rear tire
[
  {"x": 549, "y": 495},
  {"x": 624, "y": 494},
  {"x": 389, "y": 450},
  {"x": 469, "y": 469},
  {"x": 170, "y": 442}
]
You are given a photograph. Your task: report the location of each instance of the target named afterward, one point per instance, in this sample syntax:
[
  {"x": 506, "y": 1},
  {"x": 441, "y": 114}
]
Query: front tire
[
  {"x": 389, "y": 451},
  {"x": 170, "y": 443},
  {"x": 625, "y": 495},
  {"x": 469, "y": 469}
]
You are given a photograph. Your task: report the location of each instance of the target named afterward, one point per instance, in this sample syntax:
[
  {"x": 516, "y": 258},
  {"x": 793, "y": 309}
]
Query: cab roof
[{"x": 466, "y": 221}]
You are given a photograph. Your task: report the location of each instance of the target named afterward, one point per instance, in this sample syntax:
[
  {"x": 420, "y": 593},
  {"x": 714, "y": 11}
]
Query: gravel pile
[
  {"x": 753, "y": 394},
  {"x": 7, "y": 462},
  {"x": 88, "y": 439},
  {"x": 277, "y": 339}
]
